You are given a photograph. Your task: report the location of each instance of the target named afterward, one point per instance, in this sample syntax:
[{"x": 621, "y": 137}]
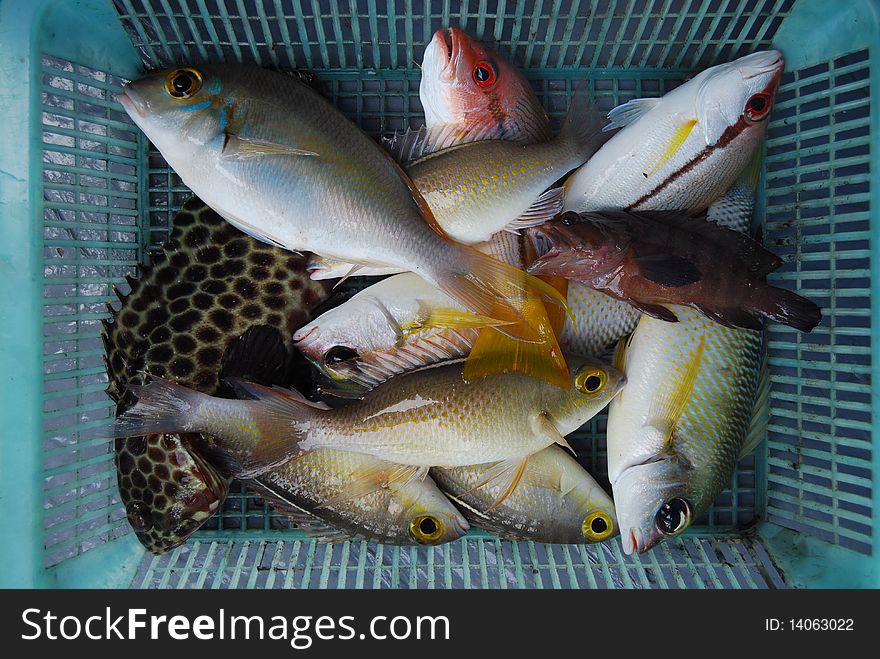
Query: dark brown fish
[
  {"x": 652, "y": 259},
  {"x": 209, "y": 286}
]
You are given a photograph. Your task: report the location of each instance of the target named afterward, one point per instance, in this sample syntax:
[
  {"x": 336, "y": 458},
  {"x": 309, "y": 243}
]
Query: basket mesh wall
[
  {"x": 102, "y": 176},
  {"x": 467, "y": 563},
  {"x": 91, "y": 161},
  {"x": 818, "y": 219}
]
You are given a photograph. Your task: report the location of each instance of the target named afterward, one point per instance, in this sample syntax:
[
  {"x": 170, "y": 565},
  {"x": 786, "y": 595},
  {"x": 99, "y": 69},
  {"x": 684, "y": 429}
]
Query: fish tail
[
  {"x": 523, "y": 338},
  {"x": 582, "y": 130},
  {"x": 786, "y": 307},
  {"x": 162, "y": 407},
  {"x": 497, "y": 290}
]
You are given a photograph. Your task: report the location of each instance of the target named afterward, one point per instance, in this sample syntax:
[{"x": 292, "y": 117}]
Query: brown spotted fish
[{"x": 207, "y": 287}]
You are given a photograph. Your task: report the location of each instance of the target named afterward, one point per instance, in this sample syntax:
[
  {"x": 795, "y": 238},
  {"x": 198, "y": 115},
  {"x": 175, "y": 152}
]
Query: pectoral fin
[
  {"x": 668, "y": 270},
  {"x": 757, "y": 430},
  {"x": 668, "y": 407},
  {"x": 629, "y": 112},
  {"x": 544, "y": 209},
  {"x": 239, "y": 148},
  {"x": 506, "y": 474},
  {"x": 431, "y": 317},
  {"x": 374, "y": 477},
  {"x": 542, "y": 424}
]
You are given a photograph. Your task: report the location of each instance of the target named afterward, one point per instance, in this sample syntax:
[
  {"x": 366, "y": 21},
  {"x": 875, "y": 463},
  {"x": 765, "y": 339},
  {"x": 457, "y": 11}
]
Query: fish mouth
[
  {"x": 448, "y": 43},
  {"x": 132, "y": 102},
  {"x": 630, "y": 542},
  {"x": 765, "y": 61}
]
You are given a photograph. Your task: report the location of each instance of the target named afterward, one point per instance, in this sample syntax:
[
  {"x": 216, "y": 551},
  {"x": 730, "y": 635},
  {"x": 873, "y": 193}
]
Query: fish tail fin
[
  {"x": 786, "y": 307},
  {"x": 495, "y": 352},
  {"x": 582, "y": 129},
  {"x": 278, "y": 414},
  {"x": 496, "y": 290},
  {"x": 162, "y": 407}
]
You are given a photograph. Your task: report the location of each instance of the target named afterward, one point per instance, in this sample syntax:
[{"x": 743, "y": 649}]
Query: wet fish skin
[
  {"x": 430, "y": 417},
  {"x": 499, "y": 98},
  {"x": 651, "y": 259},
  {"x": 479, "y": 188},
  {"x": 683, "y": 151},
  {"x": 315, "y": 183},
  {"x": 677, "y": 430},
  {"x": 556, "y": 501},
  {"x": 173, "y": 324}
]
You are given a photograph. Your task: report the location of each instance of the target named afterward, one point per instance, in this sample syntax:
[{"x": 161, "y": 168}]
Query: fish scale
[
  {"x": 424, "y": 418},
  {"x": 645, "y": 468},
  {"x": 684, "y": 150}
]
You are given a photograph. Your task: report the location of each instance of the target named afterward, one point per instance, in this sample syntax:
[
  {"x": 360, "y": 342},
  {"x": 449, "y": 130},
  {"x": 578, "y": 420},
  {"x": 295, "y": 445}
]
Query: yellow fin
[
  {"x": 678, "y": 137},
  {"x": 544, "y": 425},
  {"x": 446, "y": 318},
  {"x": 379, "y": 475},
  {"x": 555, "y": 313},
  {"x": 541, "y": 358},
  {"x": 667, "y": 409},
  {"x": 752, "y": 173},
  {"x": 507, "y": 473}
]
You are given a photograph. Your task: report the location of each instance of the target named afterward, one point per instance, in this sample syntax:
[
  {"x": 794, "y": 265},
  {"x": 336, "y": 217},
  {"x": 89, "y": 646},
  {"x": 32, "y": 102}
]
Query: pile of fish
[{"x": 531, "y": 281}]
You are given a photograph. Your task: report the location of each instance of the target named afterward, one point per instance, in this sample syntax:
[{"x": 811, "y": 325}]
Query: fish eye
[
  {"x": 183, "y": 83},
  {"x": 426, "y": 529},
  {"x": 590, "y": 381},
  {"x": 673, "y": 517},
  {"x": 484, "y": 74},
  {"x": 597, "y": 526},
  {"x": 758, "y": 107},
  {"x": 338, "y": 354}
]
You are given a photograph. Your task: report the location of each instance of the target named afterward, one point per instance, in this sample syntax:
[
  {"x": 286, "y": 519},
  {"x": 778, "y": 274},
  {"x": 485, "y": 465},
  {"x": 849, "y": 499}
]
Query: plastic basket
[{"x": 84, "y": 197}]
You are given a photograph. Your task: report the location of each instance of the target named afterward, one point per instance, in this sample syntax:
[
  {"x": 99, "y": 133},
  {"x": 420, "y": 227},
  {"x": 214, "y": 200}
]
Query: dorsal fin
[
  {"x": 629, "y": 112},
  {"x": 416, "y": 143}
]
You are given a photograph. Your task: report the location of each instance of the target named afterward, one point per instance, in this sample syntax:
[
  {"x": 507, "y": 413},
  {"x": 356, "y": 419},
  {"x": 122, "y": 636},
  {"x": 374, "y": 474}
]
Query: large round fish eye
[
  {"x": 758, "y": 107},
  {"x": 597, "y": 526},
  {"x": 183, "y": 83},
  {"x": 338, "y": 354},
  {"x": 590, "y": 381},
  {"x": 426, "y": 529},
  {"x": 673, "y": 517},
  {"x": 484, "y": 74}
]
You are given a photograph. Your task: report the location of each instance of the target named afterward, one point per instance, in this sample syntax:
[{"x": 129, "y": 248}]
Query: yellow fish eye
[
  {"x": 426, "y": 529},
  {"x": 591, "y": 381},
  {"x": 183, "y": 83},
  {"x": 597, "y": 526}
]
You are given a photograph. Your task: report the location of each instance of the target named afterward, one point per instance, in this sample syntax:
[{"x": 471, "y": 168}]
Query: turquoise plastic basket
[{"x": 84, "y": 198}]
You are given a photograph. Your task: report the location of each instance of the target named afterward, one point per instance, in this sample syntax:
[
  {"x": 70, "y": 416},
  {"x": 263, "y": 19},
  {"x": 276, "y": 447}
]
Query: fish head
[
  {"x": 584, "y": 506},
  {"x": 168, "y": 491},
  {"x": 465, "y": 82},
  {"x": 573, "y": 246},
  {"x": 426, "y": 513},
  {"x": 594, "y": 384},
  {"x": 737, "y": 97},
  {"x": 179, "y": 109},
  {"x": 657, "y": 498},
  {"x": 337, "y": 339}
]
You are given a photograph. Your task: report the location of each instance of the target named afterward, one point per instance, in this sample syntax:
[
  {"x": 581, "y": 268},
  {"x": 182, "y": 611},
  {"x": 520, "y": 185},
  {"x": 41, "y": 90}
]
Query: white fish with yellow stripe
[
  {"x": 694, "y": 404},
  {"x": 684, "y": 150}
]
